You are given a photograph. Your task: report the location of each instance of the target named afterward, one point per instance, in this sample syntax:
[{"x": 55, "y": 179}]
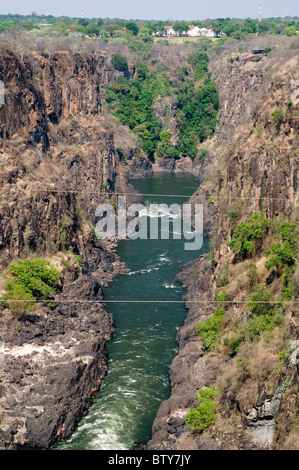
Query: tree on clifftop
[
  {"x": 131, "y": 26},
  {"x": 181, "y": 27},
  {"x": 120, "y": 63}
]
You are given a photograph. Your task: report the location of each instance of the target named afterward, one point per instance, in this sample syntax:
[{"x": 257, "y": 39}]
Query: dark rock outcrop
[{"x": 57, "y": 151}]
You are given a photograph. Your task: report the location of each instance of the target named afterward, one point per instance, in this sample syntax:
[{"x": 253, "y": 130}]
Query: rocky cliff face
[
  {"x": 57, "y": 148},
  {"x": 260, "y": 168},
  {"x": 59, "y": 160},
  {"x": 251, "y": 165}
]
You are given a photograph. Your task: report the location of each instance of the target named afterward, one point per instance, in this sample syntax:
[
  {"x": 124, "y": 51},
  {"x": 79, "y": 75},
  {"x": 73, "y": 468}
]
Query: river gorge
[
  {"x": 143, "y": 345},
  {"x": 110, "y": 355}
]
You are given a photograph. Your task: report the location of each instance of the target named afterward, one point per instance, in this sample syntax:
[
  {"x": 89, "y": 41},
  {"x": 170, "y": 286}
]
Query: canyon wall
[
  {"x": 58, "y": 160},
  {"x": 251, "y": 166}
]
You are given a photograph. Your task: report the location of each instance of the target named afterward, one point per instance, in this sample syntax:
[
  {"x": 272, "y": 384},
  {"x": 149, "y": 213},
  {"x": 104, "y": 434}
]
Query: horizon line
[{"x": 153, "y": 19}]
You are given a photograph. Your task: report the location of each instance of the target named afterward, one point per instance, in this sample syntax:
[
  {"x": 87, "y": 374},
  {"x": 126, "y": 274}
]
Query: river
[{"x": 143, "y": 346}]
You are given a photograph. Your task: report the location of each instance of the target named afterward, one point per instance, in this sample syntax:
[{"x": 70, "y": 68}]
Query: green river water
[{"x": 143, "y": 346}]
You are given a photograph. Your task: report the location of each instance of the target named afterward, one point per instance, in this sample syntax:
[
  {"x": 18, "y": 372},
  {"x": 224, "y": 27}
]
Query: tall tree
[
  {"x": 131, "y": 26},
  {"x": 181, "y": 27}
]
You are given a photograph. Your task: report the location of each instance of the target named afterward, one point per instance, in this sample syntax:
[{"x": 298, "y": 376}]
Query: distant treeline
[{"x": 107, "y": 27}]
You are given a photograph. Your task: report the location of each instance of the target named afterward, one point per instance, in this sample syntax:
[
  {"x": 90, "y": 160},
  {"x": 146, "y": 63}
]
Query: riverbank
[
  {"x": 189, "y": 368},
  {"x": 56, "y": 359},
  {"x": 143, "y": 345},
  {"x": 143, "y": 167}
]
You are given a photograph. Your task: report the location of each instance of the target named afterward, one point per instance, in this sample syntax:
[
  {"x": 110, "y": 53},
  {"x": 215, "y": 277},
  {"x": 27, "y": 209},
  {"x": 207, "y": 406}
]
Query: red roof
[
  {"x": 192, "y": 27},
  {"x": 168, "y": 27}
]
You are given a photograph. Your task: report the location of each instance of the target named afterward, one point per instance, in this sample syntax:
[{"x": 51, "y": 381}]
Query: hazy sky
[{"x": 154, "y": 9}]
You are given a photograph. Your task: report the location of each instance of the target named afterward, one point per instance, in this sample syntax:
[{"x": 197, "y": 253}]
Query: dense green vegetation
[
  {"x": 198, "y": 115},
  {"x": 203, "y": 416},
  {"x": 210, "y": 329},
  {"x": 118, "y": 28},
  {"x": 29, "y": 280},
  {"x": 120, "y": 63},
  {"x": 263, "y": 315},
  {"x": 264, "y": 312},
  {"x": 247, "y": 234},
  {"x": 132, "y": 101},
  {"x": 282, "y": 254}
]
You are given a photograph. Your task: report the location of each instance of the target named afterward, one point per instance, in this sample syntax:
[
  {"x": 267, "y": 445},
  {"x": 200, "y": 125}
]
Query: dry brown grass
[
  {"x": 292, "y": 440},
  {"x": 287, "y": 421},
  {"x": 252, "y": 373}
]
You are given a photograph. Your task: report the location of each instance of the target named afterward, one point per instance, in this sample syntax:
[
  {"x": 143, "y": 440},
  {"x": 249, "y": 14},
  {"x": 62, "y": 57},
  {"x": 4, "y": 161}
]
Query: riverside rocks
[
  {"x": 56, "y": 140},
  {"x": 54, "y": 361},
  {"x": 249, "y": 167},
  {"x": 57, "y": 150},
  {"x": 190, "y": 366}
]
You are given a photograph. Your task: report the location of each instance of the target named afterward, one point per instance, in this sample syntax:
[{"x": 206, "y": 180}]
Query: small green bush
[
  {"x": 277, "y": 118},
  {"x": 210, "y": 330},
  {"x": 223, "y": 275},
  {"x": 247, "y": 233},
  {"x": 120, "y": 63},
  {"x": 113, "y": 203},
  {"x": 262, "y": 302},
  {"x": 283, "y": 255},
  {"x": 252, "y": 276},
  {"x": 235, "y": 346},
  {"x": 264, "y": 315},
  {"x": 30, "y": 280},
  {"x": 268, "y": 50},
  {"x": 203, "y": 154},
  {"x": 203, "y": 416},
  {"x": 35, "y": 276},
  {"x": 255, "y": 326},
  {"x": 79, "y": 260},
  {"x": 288, "y": 231},
  {"x": 17, "y": 299}
]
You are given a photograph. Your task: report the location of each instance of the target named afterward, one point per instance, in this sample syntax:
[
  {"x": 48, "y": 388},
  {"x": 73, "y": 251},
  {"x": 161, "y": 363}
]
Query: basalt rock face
[
  {"x": 54, "y": 362},
  {"x": 42, "y": 89},
  {"x": 55, "y": 143},
  {"x": 251, "y": 165},
  {"x": 58, "y": 161},
  {"x": 260, "y": 171}
]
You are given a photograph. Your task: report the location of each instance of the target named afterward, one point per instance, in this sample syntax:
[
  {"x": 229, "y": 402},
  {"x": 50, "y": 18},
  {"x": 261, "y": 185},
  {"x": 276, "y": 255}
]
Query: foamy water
[{"x": 143, "y": 346}]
